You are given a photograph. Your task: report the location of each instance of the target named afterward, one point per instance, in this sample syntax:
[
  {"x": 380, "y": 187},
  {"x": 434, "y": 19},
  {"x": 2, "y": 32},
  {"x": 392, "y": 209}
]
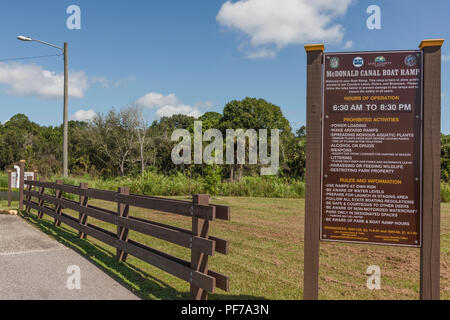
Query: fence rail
[{"x": 198, "y": 240}]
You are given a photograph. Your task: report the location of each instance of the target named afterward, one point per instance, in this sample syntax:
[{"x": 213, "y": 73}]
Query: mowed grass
[
  {"x": 266, "y": 256},
  {"x": 4, "y": 205}
]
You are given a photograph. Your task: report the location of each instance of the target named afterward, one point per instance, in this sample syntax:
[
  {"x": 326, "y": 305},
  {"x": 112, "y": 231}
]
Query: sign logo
[
  {"x": 358, "y": 62},
  {"x": 380, "y": 61},
  {"x": 334, "y": 62},
  {"x": 411, "y": 60}
]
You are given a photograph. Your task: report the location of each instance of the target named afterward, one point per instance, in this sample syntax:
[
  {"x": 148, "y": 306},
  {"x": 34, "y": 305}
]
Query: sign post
[
  {"x": 21, "y": 183},
  {"x": 9, "y": 188},
  {"x": 430, "y": 252},
  {"x": 313, "y": 151},
  {"x": 371, "y": 116}
]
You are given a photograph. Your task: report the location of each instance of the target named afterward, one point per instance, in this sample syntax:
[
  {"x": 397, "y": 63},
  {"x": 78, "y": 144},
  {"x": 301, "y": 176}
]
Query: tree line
[
  {"x": 445, "y": 158},
  {"x": 121, "y": 142}
]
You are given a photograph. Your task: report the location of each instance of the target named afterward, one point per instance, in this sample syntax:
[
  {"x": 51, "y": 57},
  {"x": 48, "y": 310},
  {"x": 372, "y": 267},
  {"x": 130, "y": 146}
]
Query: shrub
[
  {"x": 445, "y": 192},
  {"x": 3, "y": 180}
]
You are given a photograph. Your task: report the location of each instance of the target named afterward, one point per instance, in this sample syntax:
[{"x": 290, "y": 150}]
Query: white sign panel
[{"x": 15, "y": 181}]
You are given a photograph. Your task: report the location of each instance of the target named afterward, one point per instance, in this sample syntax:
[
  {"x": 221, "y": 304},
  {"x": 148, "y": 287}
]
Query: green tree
[
  {"x": 252, "y": 113},
  {"x": 445, "y": 158},
  {"x": 114, "y": 137},
  {"x": 162, "y": 145}
]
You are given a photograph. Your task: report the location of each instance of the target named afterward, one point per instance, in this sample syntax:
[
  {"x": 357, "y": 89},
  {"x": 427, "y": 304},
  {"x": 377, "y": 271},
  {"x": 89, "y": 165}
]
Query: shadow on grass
[{"x": 131, "y": 277}]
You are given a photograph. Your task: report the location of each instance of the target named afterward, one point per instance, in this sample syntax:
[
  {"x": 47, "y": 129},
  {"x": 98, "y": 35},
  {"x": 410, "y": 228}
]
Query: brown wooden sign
[{"x": 372, "y": 148}]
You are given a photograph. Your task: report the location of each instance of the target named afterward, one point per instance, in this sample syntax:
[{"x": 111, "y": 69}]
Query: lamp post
[{"x": 66, "y": 99}]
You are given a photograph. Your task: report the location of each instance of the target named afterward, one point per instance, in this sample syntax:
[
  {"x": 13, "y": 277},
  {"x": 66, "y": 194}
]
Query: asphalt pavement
[{"x": 34, "y": 266}]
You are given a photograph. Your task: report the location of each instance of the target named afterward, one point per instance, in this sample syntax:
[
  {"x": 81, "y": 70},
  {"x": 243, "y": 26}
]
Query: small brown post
[
  {"x": 83, "y": 217},
  {"x": 58, "y": 207},
  {"x": 35, "y": 178},
  {"x": 313, "y": 175},
  {"x": 430, "y": 252},
  {"x": 41, "y": 202},
  {"x": 122, "y": 233},
  {"x": 199, "y": 261},
  {"x": 21, "y": 183},
  {"x": 28, "y": 198},
  {"x": 9, "y": 188}
]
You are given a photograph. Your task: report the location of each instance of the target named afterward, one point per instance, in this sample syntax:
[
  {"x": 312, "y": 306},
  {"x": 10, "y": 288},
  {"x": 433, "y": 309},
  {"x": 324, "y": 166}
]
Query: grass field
[{"x": 266, "y": 256}]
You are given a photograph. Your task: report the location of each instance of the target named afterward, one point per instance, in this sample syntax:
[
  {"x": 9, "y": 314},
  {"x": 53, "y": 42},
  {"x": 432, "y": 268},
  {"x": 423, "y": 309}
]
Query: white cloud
[
  {"x": 106, "y": 84},
  {"x": 167, "y": 105},
  {"x": 446, "y": 58},
  {"x": 102, "y": 81},
  {"x": 33, "y": 80},
  {"x": 124, "y": 81},
  {"x": 348, "y": 44},
  {"x": 152, "y": 100},
  {"x": 262, "y": 53},
  {"x": 168, "y": 111},
  {"x": 84, "y": 115},
  {"x": 271, "y": 25},
  {"x": 206, "y": 105}
]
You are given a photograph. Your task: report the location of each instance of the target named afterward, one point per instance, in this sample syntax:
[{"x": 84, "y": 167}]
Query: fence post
[
  {"x": 199, "y": 261},
  {"x": 28, "y": 198},
  {"x": 21, "y": 183},
  {"x": 122, "y": 233},
  {"x": 35, "y": 178},
  {"x": 58, "y": 207},
  {"x": 41, "y": 202},
  {"x": 83, "y": 217},
  {"x": 9, "y": 188}
]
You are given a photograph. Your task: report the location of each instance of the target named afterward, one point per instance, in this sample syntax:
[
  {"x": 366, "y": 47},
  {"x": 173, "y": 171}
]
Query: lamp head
[{"x": 22, "y": 38}]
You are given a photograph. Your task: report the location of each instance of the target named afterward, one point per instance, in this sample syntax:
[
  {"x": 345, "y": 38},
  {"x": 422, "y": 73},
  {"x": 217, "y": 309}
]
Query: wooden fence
[{"x": 198, "y": 240}]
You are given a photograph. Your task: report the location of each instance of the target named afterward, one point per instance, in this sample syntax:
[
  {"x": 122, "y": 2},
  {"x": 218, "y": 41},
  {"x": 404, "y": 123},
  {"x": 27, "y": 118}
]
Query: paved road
[{"x": 34, "y": 266}]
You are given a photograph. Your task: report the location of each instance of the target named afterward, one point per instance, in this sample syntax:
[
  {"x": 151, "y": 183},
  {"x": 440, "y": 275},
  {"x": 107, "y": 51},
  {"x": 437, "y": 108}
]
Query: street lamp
[{"x": 66, "y": 98}]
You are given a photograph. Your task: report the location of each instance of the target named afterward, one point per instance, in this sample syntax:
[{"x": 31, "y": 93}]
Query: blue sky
[{"x": 193, "y": 56}]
